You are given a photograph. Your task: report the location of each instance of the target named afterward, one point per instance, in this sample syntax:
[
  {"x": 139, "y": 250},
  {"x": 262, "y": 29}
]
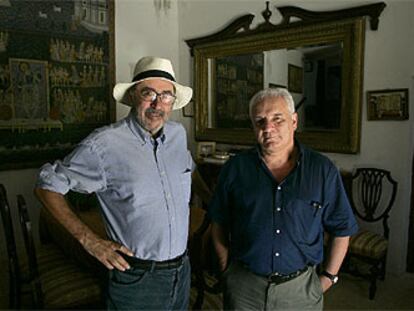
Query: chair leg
[
  {"x": 199, "y": 285},
  {"x": 373, "y": 281},
  {"x": 199, "y": 300},
  {"x": 383, "y": 264}
]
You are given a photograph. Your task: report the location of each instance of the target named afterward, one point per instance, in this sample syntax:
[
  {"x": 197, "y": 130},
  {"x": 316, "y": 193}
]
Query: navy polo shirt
[{"x": 279, "y": 227}]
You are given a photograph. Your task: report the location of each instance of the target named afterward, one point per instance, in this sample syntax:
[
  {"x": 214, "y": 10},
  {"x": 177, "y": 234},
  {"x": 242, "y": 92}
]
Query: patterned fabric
[
  {"x": 63, "y": 284},
  {"x": 368, "y": 244}
]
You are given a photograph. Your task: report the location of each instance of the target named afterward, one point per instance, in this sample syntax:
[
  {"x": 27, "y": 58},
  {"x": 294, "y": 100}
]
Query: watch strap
[{"x": 333, "y": 277}]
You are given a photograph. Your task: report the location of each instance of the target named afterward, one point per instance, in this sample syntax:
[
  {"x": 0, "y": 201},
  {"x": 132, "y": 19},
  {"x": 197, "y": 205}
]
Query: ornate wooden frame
[{"x": 346, "y": 26}]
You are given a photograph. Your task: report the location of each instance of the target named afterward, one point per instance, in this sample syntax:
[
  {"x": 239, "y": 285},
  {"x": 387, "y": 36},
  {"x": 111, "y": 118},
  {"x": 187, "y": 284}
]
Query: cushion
[{"x": 368, "y": 244}]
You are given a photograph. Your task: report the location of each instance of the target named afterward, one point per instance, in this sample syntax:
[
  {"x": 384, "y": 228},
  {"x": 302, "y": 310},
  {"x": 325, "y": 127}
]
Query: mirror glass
[
  {"x": 321, "y": 64},
  {"x": 313, "y": 74}
]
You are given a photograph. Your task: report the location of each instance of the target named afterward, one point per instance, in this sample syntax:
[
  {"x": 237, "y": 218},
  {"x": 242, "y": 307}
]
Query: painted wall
[{"x": 141, "y": 29}]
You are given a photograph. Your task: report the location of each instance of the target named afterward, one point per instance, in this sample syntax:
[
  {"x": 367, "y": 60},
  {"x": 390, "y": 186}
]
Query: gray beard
[{"x": 153, "y": 132}]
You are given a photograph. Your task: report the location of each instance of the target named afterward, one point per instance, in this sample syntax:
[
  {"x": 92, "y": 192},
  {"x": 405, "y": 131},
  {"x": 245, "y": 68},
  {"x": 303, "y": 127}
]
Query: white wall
[{"x": 141, "y": 31}]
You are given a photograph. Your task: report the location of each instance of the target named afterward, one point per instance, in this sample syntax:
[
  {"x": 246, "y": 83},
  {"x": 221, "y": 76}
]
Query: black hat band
[{"x": 153, "y": 74}]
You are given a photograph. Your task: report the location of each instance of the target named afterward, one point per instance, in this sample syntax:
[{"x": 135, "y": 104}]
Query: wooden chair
[
  {"x": 57, "y": 282},
  {"x": 16, "y": 275},
  {"x": 372, "y": 196},
  {"x": 201, "y": 250}
]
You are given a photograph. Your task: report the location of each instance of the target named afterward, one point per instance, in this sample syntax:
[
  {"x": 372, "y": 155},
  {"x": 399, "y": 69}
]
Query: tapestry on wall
[{"x": 56, "y": 77}]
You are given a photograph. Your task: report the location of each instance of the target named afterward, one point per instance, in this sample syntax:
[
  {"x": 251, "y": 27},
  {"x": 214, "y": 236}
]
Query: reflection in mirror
[
  {"x": 313, "y": 75},
  {"x": 233, "y": 81},
  {"x": 322, "y": 87}
]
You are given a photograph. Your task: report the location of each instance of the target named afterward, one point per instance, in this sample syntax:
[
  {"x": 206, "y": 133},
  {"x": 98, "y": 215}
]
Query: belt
[
  {"x": 277, "y": 278},
  {"x": 156, "y": 265}
]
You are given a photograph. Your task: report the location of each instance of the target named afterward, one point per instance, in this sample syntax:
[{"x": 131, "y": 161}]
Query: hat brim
[{"x": 183, "y": 93}]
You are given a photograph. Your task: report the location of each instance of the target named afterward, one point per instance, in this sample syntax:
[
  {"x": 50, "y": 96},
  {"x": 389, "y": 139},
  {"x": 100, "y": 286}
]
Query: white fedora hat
[{"x": 154, "y": 68}]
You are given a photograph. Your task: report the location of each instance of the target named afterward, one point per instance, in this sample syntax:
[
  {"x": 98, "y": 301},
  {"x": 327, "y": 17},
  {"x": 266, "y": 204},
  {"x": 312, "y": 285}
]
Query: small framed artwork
[
  {"x": 205, "y": 149},
  {"x": 388, "y": 104},
  {"x": 295, "y": 79},
  {"x": 188, "y": 110}
]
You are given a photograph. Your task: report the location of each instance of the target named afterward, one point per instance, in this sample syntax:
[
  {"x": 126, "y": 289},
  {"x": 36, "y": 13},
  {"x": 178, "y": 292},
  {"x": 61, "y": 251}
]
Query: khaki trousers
[{"x": 245, "y": 290}]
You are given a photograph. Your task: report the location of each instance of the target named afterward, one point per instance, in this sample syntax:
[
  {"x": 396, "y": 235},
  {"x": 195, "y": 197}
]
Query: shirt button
[
  {"x": 162, "y": 173},
  {"x": 278, "y": 209},
  {"x": 277, "y": 254},
  {"x": 279, "y": 188},
  {"x": 277, "y": 231},
  {"x": 168, "y": 195}
]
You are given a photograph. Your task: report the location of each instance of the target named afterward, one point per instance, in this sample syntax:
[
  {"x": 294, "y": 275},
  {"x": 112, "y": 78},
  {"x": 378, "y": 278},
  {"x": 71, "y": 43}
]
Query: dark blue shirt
[{"x": 279, "y": 227}]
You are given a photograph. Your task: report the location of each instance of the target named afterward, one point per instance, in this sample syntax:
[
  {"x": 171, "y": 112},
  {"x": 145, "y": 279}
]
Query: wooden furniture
[
  {"x": 200, "y": 247},
  {"x": 57, "y": 282},
  {"x": 16, "y": 278},
  {"x": 373, "y": 195}
]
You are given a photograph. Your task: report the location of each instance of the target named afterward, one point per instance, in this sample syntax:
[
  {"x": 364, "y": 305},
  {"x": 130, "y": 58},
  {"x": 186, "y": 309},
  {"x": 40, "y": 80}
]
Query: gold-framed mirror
[{"x": 319, "y": 59}]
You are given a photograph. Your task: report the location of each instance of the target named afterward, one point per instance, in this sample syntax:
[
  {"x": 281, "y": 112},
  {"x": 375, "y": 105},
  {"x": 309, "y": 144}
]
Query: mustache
[{"x": 157, "y": 112}]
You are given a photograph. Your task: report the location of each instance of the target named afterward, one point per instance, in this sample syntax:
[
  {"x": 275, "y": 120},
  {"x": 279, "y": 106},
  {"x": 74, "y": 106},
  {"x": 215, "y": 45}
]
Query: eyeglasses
[{"x": 148, "y": 94}]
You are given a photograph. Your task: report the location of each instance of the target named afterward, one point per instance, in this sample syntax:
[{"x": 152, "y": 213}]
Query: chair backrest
[
  {"x": 14, "y": 269},
  {"x": 373, "y": 195},
  {"x": 26, "y": 228}
]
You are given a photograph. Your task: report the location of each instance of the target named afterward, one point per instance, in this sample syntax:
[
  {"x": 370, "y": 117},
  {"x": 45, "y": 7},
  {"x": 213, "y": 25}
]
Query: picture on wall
[
  {"x": 56, "y": 77},
  {"x": 388, "y": 104}
]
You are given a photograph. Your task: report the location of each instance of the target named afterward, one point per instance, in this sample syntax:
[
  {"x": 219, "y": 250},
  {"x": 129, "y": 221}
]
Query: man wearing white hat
[{"x": 140, "y": 170}]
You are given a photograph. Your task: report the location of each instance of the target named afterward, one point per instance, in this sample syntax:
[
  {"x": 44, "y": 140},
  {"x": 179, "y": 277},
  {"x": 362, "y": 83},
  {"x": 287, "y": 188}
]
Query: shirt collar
[
  {"x": 297, "y": 144},
  {"x": 140, "y": 132}
]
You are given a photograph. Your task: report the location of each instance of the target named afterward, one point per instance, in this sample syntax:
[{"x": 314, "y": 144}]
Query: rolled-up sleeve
[{"x": 80, "y": 171}]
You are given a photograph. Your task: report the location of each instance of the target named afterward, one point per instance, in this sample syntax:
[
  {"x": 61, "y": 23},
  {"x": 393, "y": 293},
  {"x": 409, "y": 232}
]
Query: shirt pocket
[
  {"x": 306, "y": 219},
  {"x": 185, "y": 180}
]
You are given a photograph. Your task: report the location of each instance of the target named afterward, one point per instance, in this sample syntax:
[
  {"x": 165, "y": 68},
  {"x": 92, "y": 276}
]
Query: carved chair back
[{"x": 373, "y": 195}]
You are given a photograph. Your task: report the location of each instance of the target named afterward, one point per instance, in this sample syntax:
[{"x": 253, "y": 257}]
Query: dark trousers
[
  {"x": 151, "y": 289},
  {"x": 245, "y": 290}
]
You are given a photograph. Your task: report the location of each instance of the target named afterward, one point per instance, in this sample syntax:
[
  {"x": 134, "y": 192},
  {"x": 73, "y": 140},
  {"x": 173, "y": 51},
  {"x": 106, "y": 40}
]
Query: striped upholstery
[
  {"x": 368, "y": 244},
  {"x": 64, "y": 285},
  {"x": 67, "y": 286}
]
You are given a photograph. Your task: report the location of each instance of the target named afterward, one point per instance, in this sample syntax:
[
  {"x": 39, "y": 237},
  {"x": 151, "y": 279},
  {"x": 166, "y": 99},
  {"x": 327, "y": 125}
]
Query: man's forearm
[
  {"x": 105, "y": 251},
  {"x": 337, "y": 252},
  {"x": 56, "y": 204},
  {"x": 221, "y": 242}
]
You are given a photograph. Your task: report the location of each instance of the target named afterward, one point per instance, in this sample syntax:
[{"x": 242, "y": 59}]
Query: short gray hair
[{"x": 271, "y": 93}]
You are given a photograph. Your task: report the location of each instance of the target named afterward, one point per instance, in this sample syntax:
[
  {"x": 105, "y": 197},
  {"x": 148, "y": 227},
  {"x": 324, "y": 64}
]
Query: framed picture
[
  {"x": 295, "y": 79},
  {"x": 388, "y": 104},
  {"x": 188, "y": 110},
  {"x": 56, "y": 77},
  {"x": 205, "y": 149}
]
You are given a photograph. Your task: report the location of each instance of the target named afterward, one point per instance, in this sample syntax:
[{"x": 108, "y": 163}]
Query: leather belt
[
  {"x": 277, "y": 278},
  {"x": 156, "y": 265}
]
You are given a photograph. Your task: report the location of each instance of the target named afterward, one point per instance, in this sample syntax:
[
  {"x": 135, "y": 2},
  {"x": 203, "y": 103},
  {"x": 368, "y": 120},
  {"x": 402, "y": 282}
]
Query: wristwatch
[{"x": 334, "y": 278}]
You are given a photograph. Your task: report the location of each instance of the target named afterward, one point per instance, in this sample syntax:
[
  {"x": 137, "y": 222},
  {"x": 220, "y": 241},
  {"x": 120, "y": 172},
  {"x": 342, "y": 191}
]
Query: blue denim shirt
[
  {"x": 143, "y": 185},
  {"x": 279, "y": 227}
]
